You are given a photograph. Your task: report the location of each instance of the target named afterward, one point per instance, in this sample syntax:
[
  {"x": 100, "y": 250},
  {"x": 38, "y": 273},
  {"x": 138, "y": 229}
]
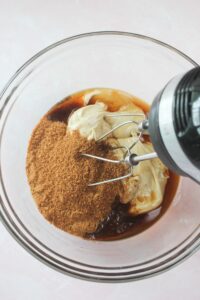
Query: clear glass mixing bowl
[{"x": 137, "y": 64}]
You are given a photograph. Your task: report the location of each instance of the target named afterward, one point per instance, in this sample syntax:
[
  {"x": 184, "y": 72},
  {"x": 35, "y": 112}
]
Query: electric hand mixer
[{"x": 173, "y": 125}]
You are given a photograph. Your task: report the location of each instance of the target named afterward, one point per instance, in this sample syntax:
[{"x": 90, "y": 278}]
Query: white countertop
[{"x": 27, "y": 26}]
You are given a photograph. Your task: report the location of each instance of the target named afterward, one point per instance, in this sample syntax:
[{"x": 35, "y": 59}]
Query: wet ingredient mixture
[{"x": 59, "y": 175}]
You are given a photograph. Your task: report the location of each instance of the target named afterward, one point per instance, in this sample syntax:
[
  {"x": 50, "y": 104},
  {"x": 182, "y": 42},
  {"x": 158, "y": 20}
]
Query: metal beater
[{"x": 130, "y": 159}]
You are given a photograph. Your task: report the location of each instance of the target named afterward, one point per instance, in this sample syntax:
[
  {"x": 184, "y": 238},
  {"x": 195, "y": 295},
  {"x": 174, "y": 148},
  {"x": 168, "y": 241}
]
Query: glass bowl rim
[{"x": 177, "y": 254}]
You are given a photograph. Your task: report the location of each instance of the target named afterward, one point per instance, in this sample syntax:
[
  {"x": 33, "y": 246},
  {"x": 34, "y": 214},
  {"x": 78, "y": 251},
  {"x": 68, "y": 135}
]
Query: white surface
[{"x": 25, "y": 28}]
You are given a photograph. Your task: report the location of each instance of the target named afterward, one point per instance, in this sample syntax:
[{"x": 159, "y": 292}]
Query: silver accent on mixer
[{"x": 167, "y": 130}]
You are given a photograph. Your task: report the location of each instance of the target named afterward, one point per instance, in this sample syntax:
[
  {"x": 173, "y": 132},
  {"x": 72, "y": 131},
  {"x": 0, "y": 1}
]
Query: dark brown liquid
[
  {"x": 118, "y": 224},
  {"x": 62, "y": 110}
]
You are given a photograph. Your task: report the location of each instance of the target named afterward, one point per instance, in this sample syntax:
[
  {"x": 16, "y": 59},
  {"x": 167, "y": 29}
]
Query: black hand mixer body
[{"x": 174, "y": 124}]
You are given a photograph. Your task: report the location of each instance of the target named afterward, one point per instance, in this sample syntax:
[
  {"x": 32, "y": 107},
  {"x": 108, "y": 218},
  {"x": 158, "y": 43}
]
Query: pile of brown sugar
[{"x": 58, "y": 176}]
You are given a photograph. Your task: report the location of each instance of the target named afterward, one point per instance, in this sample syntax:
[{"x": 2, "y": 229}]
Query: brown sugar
[{"x": 58, "y": 176}]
